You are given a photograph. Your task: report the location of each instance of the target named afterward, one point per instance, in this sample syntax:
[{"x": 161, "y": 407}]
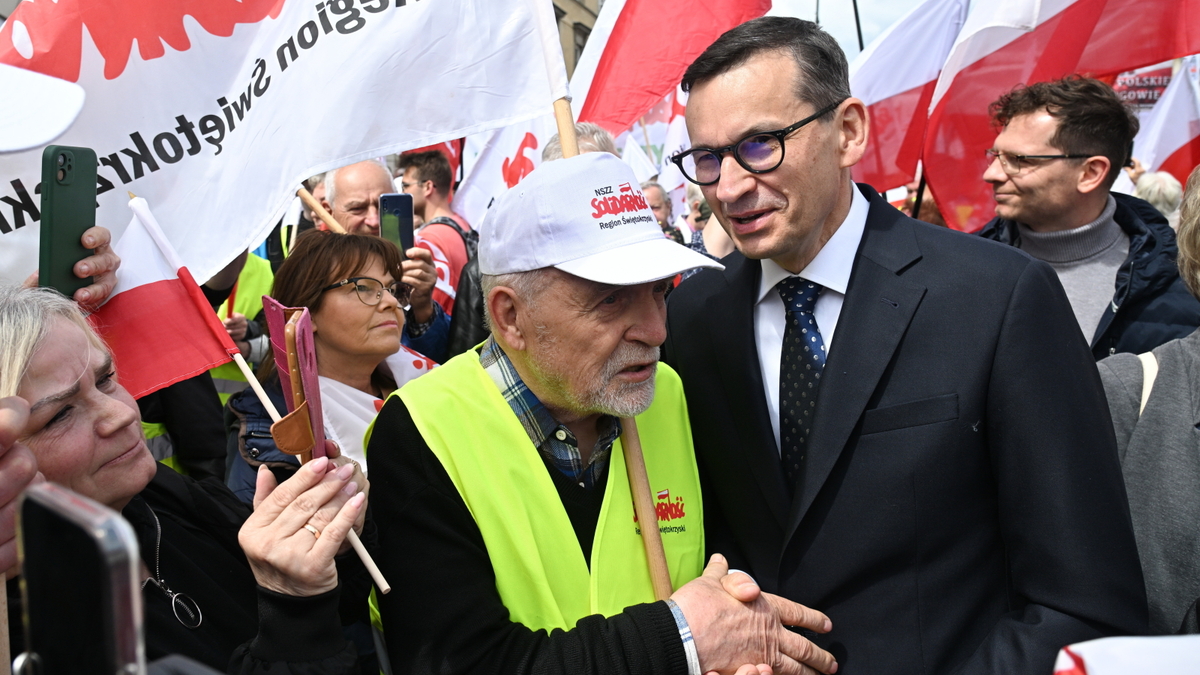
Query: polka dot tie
[{"x": 800, "y": 368}]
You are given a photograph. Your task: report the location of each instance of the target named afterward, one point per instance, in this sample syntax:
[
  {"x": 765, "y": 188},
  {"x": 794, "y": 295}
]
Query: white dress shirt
[{"x": 831, "y": 268}]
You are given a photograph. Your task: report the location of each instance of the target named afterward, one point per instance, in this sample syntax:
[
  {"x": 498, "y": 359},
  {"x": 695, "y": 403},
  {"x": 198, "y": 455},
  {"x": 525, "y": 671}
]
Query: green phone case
[{"x": 68, "y": 209}]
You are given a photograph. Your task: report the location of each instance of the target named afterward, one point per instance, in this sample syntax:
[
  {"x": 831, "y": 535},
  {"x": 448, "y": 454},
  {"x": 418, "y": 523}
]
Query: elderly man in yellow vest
[{"x": 499, "y": 481}]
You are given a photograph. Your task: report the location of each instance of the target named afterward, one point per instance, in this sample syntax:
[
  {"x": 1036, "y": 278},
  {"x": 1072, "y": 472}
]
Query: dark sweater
[{"x": 446, "y": 616}]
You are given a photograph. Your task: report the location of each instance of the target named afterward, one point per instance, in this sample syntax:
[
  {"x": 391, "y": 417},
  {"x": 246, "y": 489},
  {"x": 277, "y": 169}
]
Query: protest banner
[
  {"x": 1169, "y": 139},
  {"x": 228, "y": 105},
  {"x": 895, "y": 79},
  {"x": 1004, "y": 44}
]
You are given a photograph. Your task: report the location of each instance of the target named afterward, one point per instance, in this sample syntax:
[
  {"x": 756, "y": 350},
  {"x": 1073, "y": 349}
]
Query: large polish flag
[
  {"x": 1169, "y": 139},
  {"x": 895, "y": 77},
  {"x": 638, "y": 50},
  {"x": 1012, "y": 42},
  {"x": 159, "y": 326}
]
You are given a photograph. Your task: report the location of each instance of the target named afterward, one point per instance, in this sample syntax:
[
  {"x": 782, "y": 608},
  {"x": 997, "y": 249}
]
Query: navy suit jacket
[{"x": 962, "y": 508}]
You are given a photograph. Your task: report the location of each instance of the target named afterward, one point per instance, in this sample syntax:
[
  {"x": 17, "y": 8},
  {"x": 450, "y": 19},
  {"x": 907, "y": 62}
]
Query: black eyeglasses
[
  {"x": 1014, "y": 164},
  {"x": 760, "y": 152},
  {"x": 370, "y": 291}
]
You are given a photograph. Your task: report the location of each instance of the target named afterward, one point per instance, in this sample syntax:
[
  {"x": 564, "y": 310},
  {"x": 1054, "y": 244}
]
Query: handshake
[{"x": 739, "y": 629}]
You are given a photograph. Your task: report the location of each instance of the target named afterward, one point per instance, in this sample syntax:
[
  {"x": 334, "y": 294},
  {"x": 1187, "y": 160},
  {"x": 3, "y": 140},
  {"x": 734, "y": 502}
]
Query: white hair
[
  {"x": 591, "y": 137},
  {"x": 25, "y": 318},
  {"x": 331, "y": 180},
  {"x": 1161, "y": 189},
  {"x": 527, "y": 285}
]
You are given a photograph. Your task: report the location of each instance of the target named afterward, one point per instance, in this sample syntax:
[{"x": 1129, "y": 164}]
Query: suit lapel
[
  {"x": 878, "y": 307},
  {"x": 737, "y": 362}
]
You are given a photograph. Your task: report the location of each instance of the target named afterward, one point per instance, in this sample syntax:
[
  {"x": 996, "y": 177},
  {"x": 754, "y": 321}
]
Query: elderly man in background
[
  {"x": 501, "y": 480},
  {"x": 352, "y": 198}
]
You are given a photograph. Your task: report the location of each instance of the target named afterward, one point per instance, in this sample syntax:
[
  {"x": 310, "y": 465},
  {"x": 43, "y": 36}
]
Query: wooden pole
[
  {"x": 355, "y": 543},
  {"x": 5, "y": 654},
  {"x": 565, "y": 120},
  {"x": 312, "y": 203},
  {"x": 643, "y": 506}
]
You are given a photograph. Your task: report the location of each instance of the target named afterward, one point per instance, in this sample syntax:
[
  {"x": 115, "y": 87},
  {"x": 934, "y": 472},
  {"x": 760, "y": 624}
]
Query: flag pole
[
  {"x": 631, "y": 444},
  {"x": 643, "y": 506},
  {"x": 565, "y": 120},
  {"x": 351, "y": 536},
  {"x": 312, "y": 203},
  {"x": 858, "y": 25}
]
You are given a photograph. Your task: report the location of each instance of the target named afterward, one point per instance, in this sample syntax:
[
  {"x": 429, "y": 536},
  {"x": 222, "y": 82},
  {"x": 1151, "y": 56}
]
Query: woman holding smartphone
[{"x": 240, "y": 590}]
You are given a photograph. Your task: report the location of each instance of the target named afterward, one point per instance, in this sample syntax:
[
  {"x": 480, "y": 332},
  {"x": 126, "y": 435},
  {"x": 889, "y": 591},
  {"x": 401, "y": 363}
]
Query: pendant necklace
[{"x": 186, "y": 610}]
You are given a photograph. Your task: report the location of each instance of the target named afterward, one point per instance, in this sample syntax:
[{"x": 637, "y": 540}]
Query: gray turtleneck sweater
[{"x": 1086, "y": 259}]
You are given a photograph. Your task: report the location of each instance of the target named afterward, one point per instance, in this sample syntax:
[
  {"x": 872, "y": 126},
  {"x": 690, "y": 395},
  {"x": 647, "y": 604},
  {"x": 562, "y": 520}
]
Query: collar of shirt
[
  {"x": 554, "y": 440},
  {"x": 833, "y": 263}
]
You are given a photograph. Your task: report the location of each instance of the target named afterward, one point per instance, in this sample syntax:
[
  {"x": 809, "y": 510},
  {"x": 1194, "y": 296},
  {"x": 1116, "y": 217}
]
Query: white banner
[{"x": 226, "y": 106}]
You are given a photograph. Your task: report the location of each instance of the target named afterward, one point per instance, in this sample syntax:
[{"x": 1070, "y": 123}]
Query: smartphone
[
  {"x": 82, "y": 607},
  {"x": 396, "y": 219},
  {"x": 68, "y": 209}
]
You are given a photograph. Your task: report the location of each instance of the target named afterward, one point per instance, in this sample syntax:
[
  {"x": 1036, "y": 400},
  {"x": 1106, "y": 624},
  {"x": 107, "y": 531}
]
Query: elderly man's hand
[
  {"x": 18, "y": 470},
  {"x": 102, "y": 265},
  {"x": 287, "y": 556},
  {"x": 733, "y": 623},
  {"x": 420, "y": 273}
]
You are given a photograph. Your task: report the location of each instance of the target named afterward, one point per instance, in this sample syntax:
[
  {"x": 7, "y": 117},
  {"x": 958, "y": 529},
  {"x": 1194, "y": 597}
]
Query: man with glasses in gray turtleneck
[{"x": 1061, "y": 146}]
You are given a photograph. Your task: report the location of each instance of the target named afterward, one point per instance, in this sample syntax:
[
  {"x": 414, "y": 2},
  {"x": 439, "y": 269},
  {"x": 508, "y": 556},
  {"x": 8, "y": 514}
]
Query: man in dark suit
[{"x": 896, "y": 424}]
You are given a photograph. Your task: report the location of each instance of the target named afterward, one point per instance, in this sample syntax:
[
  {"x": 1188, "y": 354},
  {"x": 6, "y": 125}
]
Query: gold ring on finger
[{"x": 315, "y": 532}]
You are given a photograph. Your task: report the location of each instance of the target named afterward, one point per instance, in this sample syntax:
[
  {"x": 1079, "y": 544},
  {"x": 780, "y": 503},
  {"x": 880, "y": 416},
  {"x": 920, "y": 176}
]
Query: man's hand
[
  {"x": 102, "y": 265},
  {"x": 420, "y": 273},
  {"x": 734, "y": 623},
  {"x": 236, "y": 327},
  {"x": 18, "y": 470},
  {"x": 1135, "y": 172}
]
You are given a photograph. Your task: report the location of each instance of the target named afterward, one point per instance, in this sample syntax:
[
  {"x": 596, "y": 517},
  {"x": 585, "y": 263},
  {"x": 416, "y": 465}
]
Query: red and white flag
[
  {"x": 1004, "y": 44},
  {"x": 159, "y": 326},
  {"x": 1169, "y": 139},
  {"x": 1165, "y": 655},
  {"x": 669, "y": 175},
  {"x": 638, "y": 50},
  {"x": 895, "y": 76},
  {"x": 216, "y": 110}
]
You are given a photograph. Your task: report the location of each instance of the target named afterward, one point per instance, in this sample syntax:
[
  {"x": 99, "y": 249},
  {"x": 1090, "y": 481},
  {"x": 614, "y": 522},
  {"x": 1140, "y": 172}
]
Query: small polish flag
[
  {"x": 664, "y": 494},
  {"x": 159, "y": 326}
]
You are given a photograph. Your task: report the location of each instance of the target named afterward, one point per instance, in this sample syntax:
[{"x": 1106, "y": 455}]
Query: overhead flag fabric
[
  {"x": 638, "y": 50},
  {"x": 1169, "y": 139},
  {"x": 895, "y": 77},
  {"x": 157, "y": 323},
  {"x": 227, "y": 105},
  {"x": 508, "y": 155},
  {"x": 1004, "y": 44}
]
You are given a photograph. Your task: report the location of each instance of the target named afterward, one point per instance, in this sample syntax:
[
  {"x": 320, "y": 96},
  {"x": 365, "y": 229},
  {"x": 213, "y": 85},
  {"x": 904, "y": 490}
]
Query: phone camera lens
[
  {"x": 62, "y": 159},
  {"x": 62, "y": 175}
]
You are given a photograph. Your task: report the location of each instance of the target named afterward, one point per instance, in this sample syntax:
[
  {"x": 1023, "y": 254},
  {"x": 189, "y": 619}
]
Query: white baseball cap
[
  {"x": 587, "y": 216},
  {"x": 43, "y": 107}
]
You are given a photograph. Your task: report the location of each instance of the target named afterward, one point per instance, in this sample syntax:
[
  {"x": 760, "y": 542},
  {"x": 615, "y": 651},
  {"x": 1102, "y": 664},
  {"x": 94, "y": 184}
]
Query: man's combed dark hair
[
  {"x": 824, "y": 75},
  {"x": 1092, "y": 119},
  {"x": 430, "y": 165}
]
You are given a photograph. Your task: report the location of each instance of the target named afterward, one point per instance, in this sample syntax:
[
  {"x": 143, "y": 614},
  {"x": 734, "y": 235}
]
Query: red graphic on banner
[
  {"x": 520, "y": 165},
  {"x": 47, "y": 37}
]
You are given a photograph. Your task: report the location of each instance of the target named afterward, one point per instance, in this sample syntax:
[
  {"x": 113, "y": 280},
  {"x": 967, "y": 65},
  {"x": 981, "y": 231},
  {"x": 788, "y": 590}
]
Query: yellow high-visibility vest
[{"x": 541, "y": 573}]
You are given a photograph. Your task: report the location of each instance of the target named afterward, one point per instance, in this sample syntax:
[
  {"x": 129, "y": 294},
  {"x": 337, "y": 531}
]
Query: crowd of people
[{"x": 997, "y": 460}]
